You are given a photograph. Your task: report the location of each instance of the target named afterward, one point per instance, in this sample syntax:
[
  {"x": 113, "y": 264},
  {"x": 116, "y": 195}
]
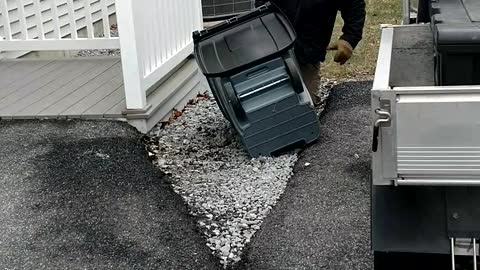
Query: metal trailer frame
[{"x": 426, "y": 158}]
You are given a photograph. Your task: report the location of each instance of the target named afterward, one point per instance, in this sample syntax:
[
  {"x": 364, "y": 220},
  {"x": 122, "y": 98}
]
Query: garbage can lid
[{"x": 243, "y": 42}]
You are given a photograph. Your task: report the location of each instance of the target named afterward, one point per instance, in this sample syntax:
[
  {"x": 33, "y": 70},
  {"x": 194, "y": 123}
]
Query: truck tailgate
[{"x": 427, "y": 135}]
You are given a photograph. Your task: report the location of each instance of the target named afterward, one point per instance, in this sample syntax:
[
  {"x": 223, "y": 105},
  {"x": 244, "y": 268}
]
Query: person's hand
[{"x": 344, "y": 51}]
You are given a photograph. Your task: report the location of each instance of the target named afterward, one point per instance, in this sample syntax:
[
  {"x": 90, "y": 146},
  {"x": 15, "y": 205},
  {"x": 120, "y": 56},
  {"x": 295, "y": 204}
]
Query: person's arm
[{"x": 353, "y": 14}]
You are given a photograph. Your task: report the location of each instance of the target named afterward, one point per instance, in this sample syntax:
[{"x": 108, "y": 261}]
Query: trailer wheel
[
  {"x": 411, "y": 261},
  {"x": 380, "y": 260}
]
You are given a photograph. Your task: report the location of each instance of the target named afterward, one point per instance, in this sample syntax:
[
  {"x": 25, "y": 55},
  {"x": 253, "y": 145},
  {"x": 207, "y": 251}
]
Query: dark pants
[{"x": 311, "y": 77}]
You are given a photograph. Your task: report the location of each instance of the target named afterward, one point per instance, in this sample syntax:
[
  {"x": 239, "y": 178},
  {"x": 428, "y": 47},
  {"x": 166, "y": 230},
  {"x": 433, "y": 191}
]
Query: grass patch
[{"x": 365, "y": 56}]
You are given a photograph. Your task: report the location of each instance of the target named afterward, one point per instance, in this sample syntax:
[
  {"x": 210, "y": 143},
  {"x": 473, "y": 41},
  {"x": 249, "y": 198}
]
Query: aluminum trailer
[{"x": 426, "y": 158}]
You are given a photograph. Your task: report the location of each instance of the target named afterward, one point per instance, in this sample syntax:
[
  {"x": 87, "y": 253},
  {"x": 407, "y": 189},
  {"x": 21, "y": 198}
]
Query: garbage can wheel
[{"x": 294, "y": 74}]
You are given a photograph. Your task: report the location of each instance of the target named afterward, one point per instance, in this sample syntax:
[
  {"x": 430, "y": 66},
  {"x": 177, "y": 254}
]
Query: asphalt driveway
[
  {"x": 322, "y": 220},
  {"x": 82, "y": 195}
]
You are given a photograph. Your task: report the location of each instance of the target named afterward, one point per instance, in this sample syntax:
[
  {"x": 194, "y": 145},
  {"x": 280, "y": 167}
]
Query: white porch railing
[
  {"x": 36, "y": 25},
  {"x": 155, "y": 35}
]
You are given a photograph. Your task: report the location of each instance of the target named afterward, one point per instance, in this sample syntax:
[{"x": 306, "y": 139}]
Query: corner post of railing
[
  {"x": 135, "y": 94},
  {"x": 199, "y": 14}
]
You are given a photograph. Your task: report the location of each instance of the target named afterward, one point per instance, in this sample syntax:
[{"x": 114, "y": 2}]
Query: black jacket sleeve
[{"x": 353, "y": 14}]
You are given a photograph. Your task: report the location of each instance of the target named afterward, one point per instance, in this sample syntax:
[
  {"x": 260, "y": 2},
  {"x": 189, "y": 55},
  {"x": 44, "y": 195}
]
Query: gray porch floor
[{"x": 57, "y": 89}]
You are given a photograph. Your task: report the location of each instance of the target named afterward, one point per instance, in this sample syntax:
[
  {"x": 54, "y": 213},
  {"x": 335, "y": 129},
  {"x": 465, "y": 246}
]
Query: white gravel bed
[
  {"x": 103, "y": 52},
  {"x": 229, "y": 192}
]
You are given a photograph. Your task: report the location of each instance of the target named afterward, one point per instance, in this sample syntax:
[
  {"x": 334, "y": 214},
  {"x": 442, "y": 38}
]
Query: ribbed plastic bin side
[
  {"x": 273, "y": 115},
  {"x": 254, "y": 77}
]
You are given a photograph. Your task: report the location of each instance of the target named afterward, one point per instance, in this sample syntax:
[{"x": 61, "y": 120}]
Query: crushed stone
[
  {"x": 227, "y": 191},
  {"x": 102, "y": 52}
]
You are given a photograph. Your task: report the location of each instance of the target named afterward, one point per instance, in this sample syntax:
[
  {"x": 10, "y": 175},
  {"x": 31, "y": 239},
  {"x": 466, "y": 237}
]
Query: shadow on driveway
[{"x": 82, "y": 195}]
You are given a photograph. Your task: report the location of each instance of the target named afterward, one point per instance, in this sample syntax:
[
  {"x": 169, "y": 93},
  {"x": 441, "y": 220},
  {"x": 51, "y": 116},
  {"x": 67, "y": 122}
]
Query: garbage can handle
[
  {"x": 234, "y": 101},
  {"x": 295, "y": 76}
]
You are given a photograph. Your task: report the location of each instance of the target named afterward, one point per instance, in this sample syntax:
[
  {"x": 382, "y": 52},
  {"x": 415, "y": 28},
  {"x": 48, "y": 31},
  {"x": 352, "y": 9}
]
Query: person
[{"x": 314, "y": 21}]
